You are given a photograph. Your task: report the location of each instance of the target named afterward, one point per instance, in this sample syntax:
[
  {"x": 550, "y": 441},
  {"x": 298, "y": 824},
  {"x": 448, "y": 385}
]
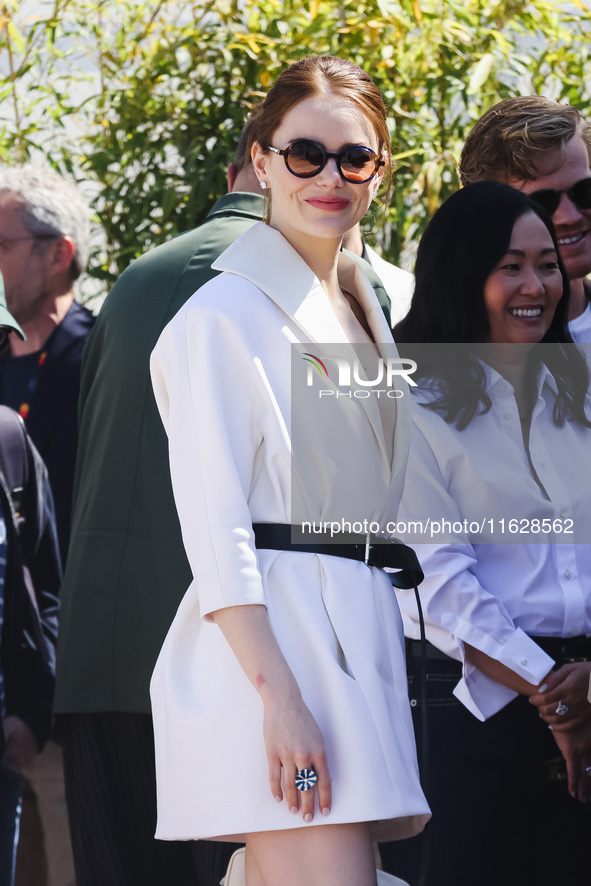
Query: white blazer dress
[{"x": 222, "y": 375}]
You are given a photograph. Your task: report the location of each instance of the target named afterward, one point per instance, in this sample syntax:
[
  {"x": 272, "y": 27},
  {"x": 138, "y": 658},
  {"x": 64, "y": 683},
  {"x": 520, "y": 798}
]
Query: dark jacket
[
  {"x": 29, "y": 630},
  {"x": 53, "y": 418}
]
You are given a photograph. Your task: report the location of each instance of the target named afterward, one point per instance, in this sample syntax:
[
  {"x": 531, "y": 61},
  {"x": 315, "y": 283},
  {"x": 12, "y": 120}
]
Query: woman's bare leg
[
  {"x": 328, "y": 855},
  {"x": 253, "y": 875}
]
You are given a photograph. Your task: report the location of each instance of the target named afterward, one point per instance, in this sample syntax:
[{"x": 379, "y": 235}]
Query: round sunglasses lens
[
  {"x": 548, "y": 199},
  {"x": 305, "y": 158},
  {"x": 358, "y": 165},
  {"x": 581, "y": 193}
]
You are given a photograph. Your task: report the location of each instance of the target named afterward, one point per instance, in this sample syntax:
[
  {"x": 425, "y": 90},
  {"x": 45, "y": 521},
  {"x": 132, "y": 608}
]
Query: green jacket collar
[{"x": 241, "y": 203}]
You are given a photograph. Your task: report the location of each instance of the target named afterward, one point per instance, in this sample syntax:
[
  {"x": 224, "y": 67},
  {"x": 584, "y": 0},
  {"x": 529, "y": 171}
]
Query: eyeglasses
[
  {"x": 305, "y": 159},
  {"x": 6, "y": 241},
  {"x": 579, "y": 194}
]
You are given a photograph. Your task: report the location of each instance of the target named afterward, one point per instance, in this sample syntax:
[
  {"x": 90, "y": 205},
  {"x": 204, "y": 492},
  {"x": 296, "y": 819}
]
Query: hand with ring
[
  {"x": 299, "y": 776},
  {"x": 575, "y": 747},
  {"x": 563, "y": 702}
]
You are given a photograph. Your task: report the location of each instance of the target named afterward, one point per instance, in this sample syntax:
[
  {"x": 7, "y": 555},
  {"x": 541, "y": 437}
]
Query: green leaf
[
  {"x": 481, "y": 73},
  {"x": 15, "y": 37}
]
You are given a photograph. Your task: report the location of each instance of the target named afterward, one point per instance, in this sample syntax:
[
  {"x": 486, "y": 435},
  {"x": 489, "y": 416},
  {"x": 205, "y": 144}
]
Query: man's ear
[{"x": 62, "y": 253}]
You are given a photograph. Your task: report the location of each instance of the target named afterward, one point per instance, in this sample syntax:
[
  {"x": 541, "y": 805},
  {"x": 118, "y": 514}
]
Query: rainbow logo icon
[{"x": 316, "y": 362}]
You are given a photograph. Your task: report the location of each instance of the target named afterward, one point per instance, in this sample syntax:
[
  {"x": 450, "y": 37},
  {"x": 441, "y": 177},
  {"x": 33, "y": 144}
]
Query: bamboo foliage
[{"x": 143, "y": 101}]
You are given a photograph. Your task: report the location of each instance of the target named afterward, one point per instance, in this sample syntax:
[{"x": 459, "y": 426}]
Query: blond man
[{"x": 543, "y": 148}]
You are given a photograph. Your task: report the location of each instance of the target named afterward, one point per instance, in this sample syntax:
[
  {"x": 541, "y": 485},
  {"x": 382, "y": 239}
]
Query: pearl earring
[{"x": 263, "y": 185}]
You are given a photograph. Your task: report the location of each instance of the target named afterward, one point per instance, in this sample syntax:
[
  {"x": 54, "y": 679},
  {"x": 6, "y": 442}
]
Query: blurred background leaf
[{"x": 143, "y": 101}]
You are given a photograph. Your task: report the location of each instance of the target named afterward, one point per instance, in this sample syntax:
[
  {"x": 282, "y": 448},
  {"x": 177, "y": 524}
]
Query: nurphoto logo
[{"x": 352, "y": 373}]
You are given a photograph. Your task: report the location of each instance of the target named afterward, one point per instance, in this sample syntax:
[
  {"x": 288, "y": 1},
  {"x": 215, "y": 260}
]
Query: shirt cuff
[{"x": 483, "y": 696}]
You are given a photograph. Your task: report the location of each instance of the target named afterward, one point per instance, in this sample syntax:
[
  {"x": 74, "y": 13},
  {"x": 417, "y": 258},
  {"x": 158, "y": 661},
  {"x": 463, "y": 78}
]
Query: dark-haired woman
[
  {"x": 500, "y": 479},
  {"x": 280, "y": 706}
]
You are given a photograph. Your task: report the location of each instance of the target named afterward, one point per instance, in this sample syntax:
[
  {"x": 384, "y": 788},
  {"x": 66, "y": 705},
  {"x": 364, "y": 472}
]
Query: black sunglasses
[
  {"x": 579, "y": 194},
  {"x": 305, "y": 159}
]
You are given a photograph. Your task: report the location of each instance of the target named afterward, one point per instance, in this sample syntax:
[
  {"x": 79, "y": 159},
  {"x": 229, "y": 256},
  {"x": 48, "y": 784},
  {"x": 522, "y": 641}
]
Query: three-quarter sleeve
[{"x": 209, "y": 395}]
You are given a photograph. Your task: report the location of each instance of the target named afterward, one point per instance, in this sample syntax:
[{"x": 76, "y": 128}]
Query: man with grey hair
[{"x": 44, "y": 245}]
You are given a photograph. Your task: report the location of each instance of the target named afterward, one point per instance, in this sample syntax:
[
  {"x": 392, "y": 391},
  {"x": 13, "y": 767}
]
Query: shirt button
[
  {"x": 508, "y": 414},
  {"x": 524, "y": 661},
  {"x": 568, "y": 574},
  {"x": 563, "y": 512}
]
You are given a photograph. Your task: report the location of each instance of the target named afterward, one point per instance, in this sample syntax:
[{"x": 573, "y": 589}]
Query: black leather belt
[
  {"x": 566, "y": 649},
  {"x": 561, "y": 649},
  {"x": 369, "y": 549},
  {"x": 414, "y": 650}
]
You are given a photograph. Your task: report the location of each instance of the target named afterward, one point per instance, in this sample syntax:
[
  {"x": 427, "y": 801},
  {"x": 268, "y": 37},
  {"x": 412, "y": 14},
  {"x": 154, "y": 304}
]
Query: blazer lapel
[
  {"x": 293, "y": 286},
  {"x": 385, "y": 344},
  {"x": 284, "y": 276}
]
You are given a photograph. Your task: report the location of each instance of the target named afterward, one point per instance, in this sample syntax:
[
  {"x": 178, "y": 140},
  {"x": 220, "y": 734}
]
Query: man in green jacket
[{"x": 127, "y": 570}]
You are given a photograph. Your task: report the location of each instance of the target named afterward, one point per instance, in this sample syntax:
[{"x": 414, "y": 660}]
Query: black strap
[
  {"x": 373, "y": 550},
  {"x": 13, "y": 456},
  {"x": 14, "y": 465}
]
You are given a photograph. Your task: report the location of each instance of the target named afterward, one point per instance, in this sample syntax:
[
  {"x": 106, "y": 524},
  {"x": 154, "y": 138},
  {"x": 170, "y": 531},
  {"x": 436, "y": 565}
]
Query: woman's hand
[
  {"x": 575, "y": 747},
  {"x": 570, "y": 686},
  {"x": 293, "y": 741}
]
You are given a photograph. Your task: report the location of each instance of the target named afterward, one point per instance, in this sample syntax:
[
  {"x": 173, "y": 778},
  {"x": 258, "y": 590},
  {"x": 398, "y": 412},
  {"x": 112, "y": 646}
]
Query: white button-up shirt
[{"x": 476, "y": 590}]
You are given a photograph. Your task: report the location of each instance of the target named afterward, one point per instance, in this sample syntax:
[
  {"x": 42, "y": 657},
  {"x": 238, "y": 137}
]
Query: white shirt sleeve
[{"x": 457, "y": 608}]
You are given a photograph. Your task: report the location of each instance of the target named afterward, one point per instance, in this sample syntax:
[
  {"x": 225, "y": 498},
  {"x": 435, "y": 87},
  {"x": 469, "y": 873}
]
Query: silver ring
[
  {"x": 305, "y": 779},
  {"x": 561, "y": 709}
]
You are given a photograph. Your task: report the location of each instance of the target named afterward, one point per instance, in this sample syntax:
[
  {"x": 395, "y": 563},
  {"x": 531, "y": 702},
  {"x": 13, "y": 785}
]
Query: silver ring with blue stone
[{"x": 305, "y": 779}]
